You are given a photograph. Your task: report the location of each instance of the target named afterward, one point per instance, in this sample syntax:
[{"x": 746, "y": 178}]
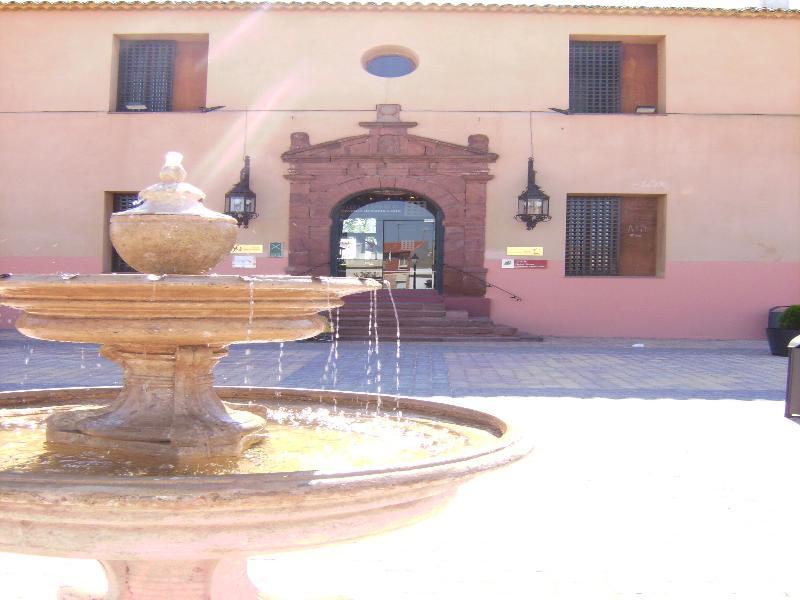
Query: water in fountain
[{"x": 302, "y": 437}]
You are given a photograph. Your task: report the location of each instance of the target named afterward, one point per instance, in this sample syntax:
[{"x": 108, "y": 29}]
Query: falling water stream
[
  {"x": 373, "y": 369},
  {"x": 377, "y": 354},
  {"x": 251, "y": 310},
  {"x": 397, "y": 350},
  {"x": 332, "y": 350},
  {"x": 280, "y": 363},
  {"x": 368, "y": 369}
]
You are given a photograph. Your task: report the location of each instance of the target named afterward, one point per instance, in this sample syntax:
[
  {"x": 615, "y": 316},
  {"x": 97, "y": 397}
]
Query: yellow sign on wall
[
  {"x": 525, "y": 251},
  {"x": 248, "y": 249}
]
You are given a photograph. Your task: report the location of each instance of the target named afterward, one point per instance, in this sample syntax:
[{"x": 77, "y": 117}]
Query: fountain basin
[
  {"x": 193, "y": 521},
  {"x": 170, "y": 243}
]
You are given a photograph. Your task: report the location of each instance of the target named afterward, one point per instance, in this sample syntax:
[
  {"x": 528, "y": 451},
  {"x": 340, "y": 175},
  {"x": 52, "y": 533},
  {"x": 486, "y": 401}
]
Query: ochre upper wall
[{"x": 482, "y": 61}]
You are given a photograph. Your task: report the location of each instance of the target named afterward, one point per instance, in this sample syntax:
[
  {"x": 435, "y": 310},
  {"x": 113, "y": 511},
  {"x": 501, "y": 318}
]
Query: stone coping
[{"x": 394, "y": 6}]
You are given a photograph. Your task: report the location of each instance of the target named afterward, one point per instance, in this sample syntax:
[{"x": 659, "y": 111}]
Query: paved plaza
[
  {"x": 661, "y": 470},
  {"x": 575, "y": 367}
]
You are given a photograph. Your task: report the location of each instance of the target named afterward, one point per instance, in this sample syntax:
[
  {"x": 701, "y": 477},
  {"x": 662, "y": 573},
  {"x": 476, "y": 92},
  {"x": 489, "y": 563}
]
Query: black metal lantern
[
  {"x": 240, "y": 201},
  {"x": 533, "y": 203}
]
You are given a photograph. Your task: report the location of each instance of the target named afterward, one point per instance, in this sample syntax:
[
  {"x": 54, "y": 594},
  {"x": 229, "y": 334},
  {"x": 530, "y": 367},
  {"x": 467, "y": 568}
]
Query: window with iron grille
[
  {"x": 613, "y": 235},
  {"x": 146, "y": 70},
  {"x": 595, "y": 77},
  {"x": 122, "y": 202},
  {"x": 592, "y": 245}
]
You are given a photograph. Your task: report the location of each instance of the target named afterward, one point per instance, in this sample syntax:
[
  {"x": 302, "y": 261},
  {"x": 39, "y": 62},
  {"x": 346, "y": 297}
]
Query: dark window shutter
[
  {"x": 592, "y": 244},
  {"x": 125, "y": 202},
  {"x": 146, "y": 71},
  {"x": 122, "y": 202},
  {"x": 595, "y": 77},
  {"x": 638, "y": 237}
]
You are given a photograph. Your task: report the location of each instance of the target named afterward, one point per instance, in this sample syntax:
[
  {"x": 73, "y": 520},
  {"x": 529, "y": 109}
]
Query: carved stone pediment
[
  {"x": 450, "y": 175},
  {"x": 398, "y": 146}
]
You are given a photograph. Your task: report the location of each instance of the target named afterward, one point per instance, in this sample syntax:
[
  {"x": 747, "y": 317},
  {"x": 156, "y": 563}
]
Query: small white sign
[
  {"x": 243, "y": 261},
  {"x": 507, "y": 263}
]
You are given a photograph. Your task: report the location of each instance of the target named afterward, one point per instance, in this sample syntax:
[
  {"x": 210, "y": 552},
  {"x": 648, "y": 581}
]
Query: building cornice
[{"x": 391, "y": 6}]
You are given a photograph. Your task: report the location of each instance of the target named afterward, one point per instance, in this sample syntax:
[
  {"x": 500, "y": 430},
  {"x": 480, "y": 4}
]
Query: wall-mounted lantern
[
  {"x": 240, "y": 201},
  {"x": 533, "y": 203}
]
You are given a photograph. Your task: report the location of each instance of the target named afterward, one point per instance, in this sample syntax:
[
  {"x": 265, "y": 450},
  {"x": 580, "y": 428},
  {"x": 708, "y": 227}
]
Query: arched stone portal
[{"x": 454, "y": 177}]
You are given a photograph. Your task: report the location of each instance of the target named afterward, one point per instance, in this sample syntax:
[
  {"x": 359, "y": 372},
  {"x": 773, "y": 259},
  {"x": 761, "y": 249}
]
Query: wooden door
[{"x": 638, "y": 236}]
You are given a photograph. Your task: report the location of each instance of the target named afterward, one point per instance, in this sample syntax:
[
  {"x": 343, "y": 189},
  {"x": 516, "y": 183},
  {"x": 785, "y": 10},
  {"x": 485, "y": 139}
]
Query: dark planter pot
[{"x": 779, "y": 340}]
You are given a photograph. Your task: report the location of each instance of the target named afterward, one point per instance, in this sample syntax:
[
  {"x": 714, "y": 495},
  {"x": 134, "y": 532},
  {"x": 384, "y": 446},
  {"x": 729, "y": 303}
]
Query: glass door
[
  {"x": 389, "y": 236},
  {"x": 409, "y": 253},
  {"x": 359, "y": 248}
]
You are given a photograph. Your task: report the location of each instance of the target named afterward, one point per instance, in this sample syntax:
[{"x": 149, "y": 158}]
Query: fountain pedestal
[
  {"x": 166, "y": 409},
  {"x": 224, "y": 579}
]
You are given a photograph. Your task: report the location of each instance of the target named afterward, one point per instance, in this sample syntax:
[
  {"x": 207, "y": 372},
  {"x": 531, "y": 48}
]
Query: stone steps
[{"x": 423, "y": 318}]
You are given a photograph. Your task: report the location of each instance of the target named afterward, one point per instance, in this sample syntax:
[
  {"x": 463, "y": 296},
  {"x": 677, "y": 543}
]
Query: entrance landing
[{"x": 423, "y": 317}]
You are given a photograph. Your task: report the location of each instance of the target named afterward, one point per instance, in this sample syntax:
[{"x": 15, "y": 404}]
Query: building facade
[{"x": 393, "y": 141}]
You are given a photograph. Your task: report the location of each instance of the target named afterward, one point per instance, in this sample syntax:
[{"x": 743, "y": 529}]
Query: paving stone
[{"x": 585, "y": 368}]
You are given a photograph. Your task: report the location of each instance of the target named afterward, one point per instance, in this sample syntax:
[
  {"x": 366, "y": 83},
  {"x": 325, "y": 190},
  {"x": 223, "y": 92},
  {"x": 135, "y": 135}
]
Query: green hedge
[{"x": 790, "y": 318}]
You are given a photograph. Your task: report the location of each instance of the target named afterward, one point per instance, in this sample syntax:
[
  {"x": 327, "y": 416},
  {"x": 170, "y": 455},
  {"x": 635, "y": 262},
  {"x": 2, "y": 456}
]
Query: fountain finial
[{"x": 173, "y": 171}]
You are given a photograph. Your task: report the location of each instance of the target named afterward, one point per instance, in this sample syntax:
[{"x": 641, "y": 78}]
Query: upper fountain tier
[{"x": 175, "y": 310}]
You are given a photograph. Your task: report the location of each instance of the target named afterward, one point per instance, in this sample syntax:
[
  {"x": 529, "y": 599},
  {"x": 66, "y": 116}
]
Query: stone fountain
[{"x": 164, "y": 478}]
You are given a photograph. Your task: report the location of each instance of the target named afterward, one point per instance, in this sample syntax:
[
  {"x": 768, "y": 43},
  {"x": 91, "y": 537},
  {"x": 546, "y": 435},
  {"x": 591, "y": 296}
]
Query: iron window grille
[
  {"x": 592, "y": 244},
  {"x": 122, "y": 202},
  {"x": 146, "y": 71},
  {"x": 595, "y": 77}
]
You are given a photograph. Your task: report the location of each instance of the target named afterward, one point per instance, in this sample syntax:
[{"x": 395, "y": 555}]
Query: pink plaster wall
[
  {"x": 703, "y": 300},
  {"x": 51, "y": 264}
]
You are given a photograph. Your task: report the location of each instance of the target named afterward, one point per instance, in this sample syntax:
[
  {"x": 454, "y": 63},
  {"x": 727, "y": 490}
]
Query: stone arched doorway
[
  {"x": 453, "y": 177},
  {"x": 395, "y": 236}
]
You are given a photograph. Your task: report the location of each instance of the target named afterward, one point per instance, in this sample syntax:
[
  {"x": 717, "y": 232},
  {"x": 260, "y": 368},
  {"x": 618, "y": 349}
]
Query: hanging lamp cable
[
  {"x": 530, "y": 130},
  {"x": 244, "y": 145}
]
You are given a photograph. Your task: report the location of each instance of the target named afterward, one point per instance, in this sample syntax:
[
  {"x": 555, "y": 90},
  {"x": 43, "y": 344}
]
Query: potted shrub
[{"x": 788, "y": 328}]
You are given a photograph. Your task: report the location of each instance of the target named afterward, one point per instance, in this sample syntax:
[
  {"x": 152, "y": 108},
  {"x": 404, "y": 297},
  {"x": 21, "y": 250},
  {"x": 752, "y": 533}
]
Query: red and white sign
[{"x": 527, "y": 263}]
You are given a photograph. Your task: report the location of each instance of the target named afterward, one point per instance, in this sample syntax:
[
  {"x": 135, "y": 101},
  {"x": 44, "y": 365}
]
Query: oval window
[{"x": 389, "y": 62}]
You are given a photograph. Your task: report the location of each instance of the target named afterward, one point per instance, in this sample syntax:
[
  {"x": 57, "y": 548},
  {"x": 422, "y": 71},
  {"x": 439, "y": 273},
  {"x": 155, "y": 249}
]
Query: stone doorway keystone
[{"x": 452, "y": 176}]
